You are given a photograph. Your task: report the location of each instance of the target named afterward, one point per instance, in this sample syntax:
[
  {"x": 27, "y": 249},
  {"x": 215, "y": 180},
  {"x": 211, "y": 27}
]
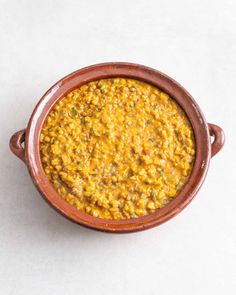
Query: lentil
[{"x": 117, "y": 148}]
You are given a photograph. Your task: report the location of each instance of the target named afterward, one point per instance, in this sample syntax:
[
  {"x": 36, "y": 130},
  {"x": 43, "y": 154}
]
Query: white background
[{"x": 192, "y": 41}]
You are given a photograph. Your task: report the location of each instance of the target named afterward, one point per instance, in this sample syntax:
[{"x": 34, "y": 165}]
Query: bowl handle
[
  {"x": 219, "y": 138},
  {"x": 16, "y": 144}
]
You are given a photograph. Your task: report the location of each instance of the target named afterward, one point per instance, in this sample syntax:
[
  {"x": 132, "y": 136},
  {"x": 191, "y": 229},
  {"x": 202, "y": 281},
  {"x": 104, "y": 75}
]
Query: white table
[{"x": 192, "y": 41}]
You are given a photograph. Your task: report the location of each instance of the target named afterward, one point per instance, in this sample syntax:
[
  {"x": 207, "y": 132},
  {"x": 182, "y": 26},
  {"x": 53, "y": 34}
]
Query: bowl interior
[{"x": 109, "y": 70}]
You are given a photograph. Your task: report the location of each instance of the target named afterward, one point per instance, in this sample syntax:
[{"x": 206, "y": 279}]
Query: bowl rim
[{"x": 132, "y": 71}]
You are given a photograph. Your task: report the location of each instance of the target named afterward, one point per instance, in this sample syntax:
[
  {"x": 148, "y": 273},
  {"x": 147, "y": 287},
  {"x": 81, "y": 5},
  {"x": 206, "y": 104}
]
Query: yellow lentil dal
[{"x": 117, "y": 148}]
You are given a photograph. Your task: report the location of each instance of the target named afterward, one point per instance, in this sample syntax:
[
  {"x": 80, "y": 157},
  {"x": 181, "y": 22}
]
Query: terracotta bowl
[{"x": 206, "y": 147}]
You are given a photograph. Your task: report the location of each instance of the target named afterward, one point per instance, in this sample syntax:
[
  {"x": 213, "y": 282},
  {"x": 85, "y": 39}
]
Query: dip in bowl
[{"x": 117, "y": 147}]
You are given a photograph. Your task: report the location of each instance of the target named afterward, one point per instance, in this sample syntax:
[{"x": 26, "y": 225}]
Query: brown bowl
[{"x": 203, "y": 131}]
